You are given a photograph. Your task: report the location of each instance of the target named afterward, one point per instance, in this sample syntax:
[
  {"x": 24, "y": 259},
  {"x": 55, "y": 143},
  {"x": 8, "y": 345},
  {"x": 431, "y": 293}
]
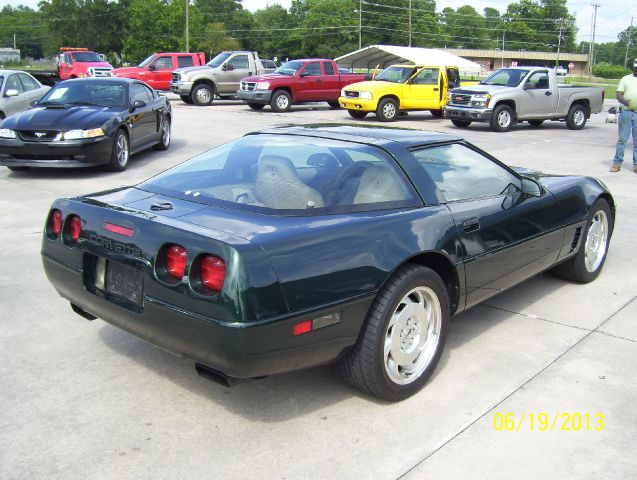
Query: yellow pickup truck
[{"x": 401, "y": 88}]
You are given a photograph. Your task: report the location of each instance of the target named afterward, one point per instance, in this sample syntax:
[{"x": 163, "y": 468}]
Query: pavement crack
[{"x": 535, "y": 317}]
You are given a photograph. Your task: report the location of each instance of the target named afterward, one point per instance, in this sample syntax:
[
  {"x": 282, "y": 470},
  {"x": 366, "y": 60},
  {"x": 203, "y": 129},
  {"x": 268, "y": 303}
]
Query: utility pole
[
  {"x": 410, "y": 23},
  {"x": 187, "y": 27},
  {"x": 14, "y": 47},
  {"x": 592, "y": 49},
  {"x": 360, "y": 24},
  {"x": 559, "y": 42},
  {"x": 503, "y": 48},
  {"x": 630, "y": 31}
]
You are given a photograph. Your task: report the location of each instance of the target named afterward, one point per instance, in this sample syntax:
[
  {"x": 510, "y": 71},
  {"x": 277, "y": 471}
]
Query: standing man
[{"x": 627, "y": 121}]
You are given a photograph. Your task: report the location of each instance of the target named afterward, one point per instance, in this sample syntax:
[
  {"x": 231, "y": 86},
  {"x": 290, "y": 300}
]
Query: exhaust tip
[
  {"x": 82, "y": 313},
  {"x": 215, "y": 376}
]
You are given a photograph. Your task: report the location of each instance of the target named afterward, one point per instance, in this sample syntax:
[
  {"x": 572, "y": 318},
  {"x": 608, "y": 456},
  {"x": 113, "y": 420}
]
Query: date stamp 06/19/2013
[{"x": 548, "y": 422}]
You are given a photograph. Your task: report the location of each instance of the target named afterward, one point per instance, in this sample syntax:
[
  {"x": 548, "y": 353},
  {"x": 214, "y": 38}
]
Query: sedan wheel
[
  {"x": 403, "y": 336},
  {"x": 164, "y": 143},
  {"x": 596, "y": 241},
  {"x": 120, "y": 152}
]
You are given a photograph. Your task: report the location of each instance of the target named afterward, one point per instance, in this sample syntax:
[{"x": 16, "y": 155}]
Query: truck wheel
[
  {"x": 357, "y": 114},
  {"x": 256, "y": 106},
  {"x": 461, "y": 123},
  {"x": 436, "y": 113},
  {"x": 334, "y": 104},
  {"x": 281, "y": 101},
  {"x": 203, "y": 95},
  {"x": 186, "y": 99},
  {"x": 402, "y": 338},
  {"x": 119, "y": 153},
  {"x": 502, "y": 119},
  {"x": 387, "y": 110},
  {"x": 536, "y": 123},
  {"x": 576, "y": 117}
]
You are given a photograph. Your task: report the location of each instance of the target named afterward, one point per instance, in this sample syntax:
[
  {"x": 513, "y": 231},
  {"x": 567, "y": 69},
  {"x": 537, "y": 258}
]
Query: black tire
[
  {"x": 357, "y": 114},
  {"x": 334, "y": 105},
  {"x": 461, "y": 123},
  {"x": 186, "y": 99},
  {"x": 576, "y": 117},
  {"x": 119, "y": 158},
  {"x": 2, "y": 116},
  {"x": 366, "y": 365},
  {"x": 502, "y": 119},
  {"x": 164, "y": 141},
  {"x": 281, "y": 101},
  {"x": 575, "y": 268},
  {"x": 256, "y": 106},
  {"x": 203, "y": 95},
  {"x": 536, "y": 123},
  {"x": 19, "y": 169},
  {"x": 387, "y": 110},
  {"x": 436, "y": 113}
]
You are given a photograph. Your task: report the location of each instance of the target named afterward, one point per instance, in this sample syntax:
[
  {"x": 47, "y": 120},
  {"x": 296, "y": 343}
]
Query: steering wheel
[{"x": 346, "y": 184}]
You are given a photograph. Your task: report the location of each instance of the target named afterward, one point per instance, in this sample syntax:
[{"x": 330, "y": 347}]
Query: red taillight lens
[
  {"x": 176, "y": 259},
  {"x": 55, "y": 223},
  {"x": 75, "y": 225},
  {"x": 213, "y": 272}
]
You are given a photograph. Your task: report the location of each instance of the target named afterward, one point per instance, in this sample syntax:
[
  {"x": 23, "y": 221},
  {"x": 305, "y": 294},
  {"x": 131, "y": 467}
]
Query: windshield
[
  {"x": 289, "y": 68},
  {"x": 396, "y": 74},
  {"x": 147, "y": 61},
  {"x": 219, "y": 59},
  {"x": 290, "y": 174},
  {"x": 93, "y": 92},
  {"x": 505, "y": 77},
  {"x": 86, "y": 57}
]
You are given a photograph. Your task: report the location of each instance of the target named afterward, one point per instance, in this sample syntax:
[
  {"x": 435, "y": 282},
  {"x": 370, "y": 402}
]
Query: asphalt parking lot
[{"x": 82, "y": 399}]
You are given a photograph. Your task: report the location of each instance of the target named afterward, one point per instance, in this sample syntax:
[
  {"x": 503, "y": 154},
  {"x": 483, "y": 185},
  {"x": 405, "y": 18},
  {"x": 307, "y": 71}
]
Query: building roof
[
  {"x": 386, "y": 55},
  {"x": 518, "y": 54}
]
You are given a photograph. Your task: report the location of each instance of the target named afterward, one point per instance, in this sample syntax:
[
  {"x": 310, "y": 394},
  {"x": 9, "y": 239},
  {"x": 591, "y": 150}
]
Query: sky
[{"x": 613, "y": 16}]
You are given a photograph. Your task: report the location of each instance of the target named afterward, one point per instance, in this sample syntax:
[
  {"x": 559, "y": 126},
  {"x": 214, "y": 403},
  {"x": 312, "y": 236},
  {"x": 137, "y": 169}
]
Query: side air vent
[{"x": 575, "y": 242}]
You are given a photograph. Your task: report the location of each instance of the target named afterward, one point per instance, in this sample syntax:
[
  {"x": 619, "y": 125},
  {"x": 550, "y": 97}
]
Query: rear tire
[
  {"x": 164, "y": 142},
  {"x": 334, "y": 105},
  {"x": 120, "y": 152},
  {"x": 357, "y": 114},
  {"x": 461, "y": 123},
  {"x": 576, "y": 117},
  {"x": 403, "y": 336},
  {"x": 587, "y": 263},
  {"x": 186, "y": 99},
  {"x": 502, "y": 119},
  {"x": 203, "y": 95},
  {"x": 281, "y": 101},
  {"x": 436, "y": 113},
  {"x": 256, "y": 106},
  {"x": 387, "y": 110}
]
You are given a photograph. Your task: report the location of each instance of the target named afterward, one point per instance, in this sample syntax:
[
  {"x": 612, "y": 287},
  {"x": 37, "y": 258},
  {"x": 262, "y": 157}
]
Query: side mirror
[
  {"x": 229, "y": 67},
  {"x": 528, "y": 86},
  {"x": 137, "y": 104},
  {"x": 304, "y": 73},
  {"x": 11, "y": 93},
  {"x": 33, "y": 103},
  {"x": 152, "y": 67},
  {"x": 531, "y": 187}
]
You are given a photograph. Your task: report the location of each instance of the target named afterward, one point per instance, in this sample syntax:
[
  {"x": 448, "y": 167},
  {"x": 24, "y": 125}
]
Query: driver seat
[{"x": 278, "y": 186}]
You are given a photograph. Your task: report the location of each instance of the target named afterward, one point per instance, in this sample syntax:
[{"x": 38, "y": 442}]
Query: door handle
[
  {"x": 548, "y": 94},
  {"x": 435, "y": 89},
  {"x": 471, "y": 225}
]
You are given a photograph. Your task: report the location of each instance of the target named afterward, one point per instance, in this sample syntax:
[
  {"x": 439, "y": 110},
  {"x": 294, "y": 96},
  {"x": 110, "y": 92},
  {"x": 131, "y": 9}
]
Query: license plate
[{"x": 123, "y": 281}]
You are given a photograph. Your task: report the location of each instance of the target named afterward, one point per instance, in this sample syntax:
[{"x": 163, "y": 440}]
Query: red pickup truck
[
  {"x": 297, "y": 81},
  {"x": 156, "y": 70}
]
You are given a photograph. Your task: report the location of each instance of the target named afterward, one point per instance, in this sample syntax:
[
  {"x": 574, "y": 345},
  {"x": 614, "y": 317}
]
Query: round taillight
[
  {"x": 176, "y": 260},
  {"x": 55, "y": 223},
  {"x": 75, "y": 226},
  {"x": 213, "y": 272}
]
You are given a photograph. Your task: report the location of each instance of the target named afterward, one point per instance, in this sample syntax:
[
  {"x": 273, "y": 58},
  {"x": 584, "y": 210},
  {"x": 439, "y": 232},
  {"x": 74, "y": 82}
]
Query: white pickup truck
[{"x": 518, "y": 94}]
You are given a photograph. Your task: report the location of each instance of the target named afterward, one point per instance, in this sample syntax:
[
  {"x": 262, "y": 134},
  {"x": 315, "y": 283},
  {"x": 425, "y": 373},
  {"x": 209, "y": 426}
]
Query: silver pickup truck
[
  {"x": 220, "y": 76},
  {"x": 517, "y": 94}
]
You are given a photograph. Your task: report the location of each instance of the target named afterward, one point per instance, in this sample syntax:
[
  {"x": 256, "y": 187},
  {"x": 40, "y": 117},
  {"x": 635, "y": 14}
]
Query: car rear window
[{"x": 287, "y": 174}]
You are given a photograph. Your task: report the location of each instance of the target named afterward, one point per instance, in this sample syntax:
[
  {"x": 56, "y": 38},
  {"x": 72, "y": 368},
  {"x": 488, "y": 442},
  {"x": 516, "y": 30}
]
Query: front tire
[
  {"x": 589, "y": 260},
  {"x": 256, "y": 106},
  {"x": 120, "y": 152},
  {"x": 502, "y": 119},
  {"x": 402, "y": 338},
  {"x": 186, "y": 99},
  {"x": 436, "y": 113},
  {"x": 576, "y": 117},
  {"x": 164, "y": 142},
  {"x": 357, "y": 114},
  {"x": 387, "y": 110},
  {"x": 203, "y": 95},
  {"x": 281, "y": 101},
  {"x": 334, "y": 105},
  {"x": 461, "y": 123}
]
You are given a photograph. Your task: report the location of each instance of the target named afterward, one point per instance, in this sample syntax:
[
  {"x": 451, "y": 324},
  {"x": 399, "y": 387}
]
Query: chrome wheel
[
  {"x": 596, "y": 241},
  {"x": 203, "y": 95},
  {"x": 122, "y": 150},
  {"x": 165, "y": 136},
  {"x": 412, "y": 335},
  {"x": 389, "y": 110},
  {"x": 504, "y": 119},
  {"x": 282, "y": 102}
]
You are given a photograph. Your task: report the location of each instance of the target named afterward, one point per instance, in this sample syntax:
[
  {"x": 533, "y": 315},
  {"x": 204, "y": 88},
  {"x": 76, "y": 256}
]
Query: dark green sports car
[{"x": 301, "y": 246}]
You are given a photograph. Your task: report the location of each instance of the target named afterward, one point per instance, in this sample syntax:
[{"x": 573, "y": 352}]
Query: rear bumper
[
  {"x": 358, "y": 104},
  {"x": 237, "y": 350},
  {"x": 468, "y": 113},
  {"x": 69, "y": 154},
  {"x": 261, "y": 97}
]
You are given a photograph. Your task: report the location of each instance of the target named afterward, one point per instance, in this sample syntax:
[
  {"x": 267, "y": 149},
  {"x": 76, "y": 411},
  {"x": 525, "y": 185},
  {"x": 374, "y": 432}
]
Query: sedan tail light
[
  {"x": 54, "y": 226},
  {"x": 213, "y": 272},
  {"x": 74, "y": 227},
  {"x": 176, "y": 260}
]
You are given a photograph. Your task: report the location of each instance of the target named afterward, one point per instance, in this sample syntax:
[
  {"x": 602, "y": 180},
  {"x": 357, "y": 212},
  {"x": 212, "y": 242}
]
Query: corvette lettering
[{"x": 114, "y": 245}]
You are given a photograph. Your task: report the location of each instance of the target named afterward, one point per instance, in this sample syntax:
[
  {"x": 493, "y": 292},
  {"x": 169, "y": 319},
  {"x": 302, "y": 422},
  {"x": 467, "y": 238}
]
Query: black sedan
[
  {"x": 301, "y": 246},
  {"x": 87, "y": 122}
]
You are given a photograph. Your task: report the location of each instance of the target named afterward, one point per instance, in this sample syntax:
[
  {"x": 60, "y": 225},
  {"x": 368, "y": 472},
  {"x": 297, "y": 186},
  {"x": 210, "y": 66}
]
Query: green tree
[
  {"x": 464, "y": 28},
  {"x": 26, "y": 24}
]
